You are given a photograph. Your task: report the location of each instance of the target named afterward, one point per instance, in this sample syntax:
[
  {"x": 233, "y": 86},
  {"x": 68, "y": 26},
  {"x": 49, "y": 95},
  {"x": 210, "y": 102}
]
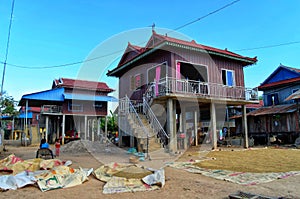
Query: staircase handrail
[
  {"x": 131, "y": 111},
  {"x": 152, "y": 118}
]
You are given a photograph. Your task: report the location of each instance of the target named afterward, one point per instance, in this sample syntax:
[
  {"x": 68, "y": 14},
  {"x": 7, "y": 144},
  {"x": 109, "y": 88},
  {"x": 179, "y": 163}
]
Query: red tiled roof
[
  {"x": 207, "y": 48},
  {"x": 162, "y": 39},
  {"x": 32, "y": 109},
  {"x": 279, "y": 83},
  {"x": 261, "y": 104},
  {"x": 82, "y": 84},
  {"x": 137, "y": 48}
]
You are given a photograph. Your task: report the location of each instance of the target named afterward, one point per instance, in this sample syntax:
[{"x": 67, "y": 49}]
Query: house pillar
[
  {"x": 63, "y": 127},
  {"x": 98, "y": 126},
  {"x": 171, "y": 125},
  {"x": 105, "y": 129},
  {"x": 57, "y": 128},
  {"x": 120, "y": 131},
  {"x": 183, "y": 120},
  {"x": 213, "y": 123},
  {"x": 85, "y": 127},
  {"x": 93, "y": 132},
  {"x": 196, "y": 128},
  {"x": 245, "y": 126},
  {"x": 47, "y": 128}
]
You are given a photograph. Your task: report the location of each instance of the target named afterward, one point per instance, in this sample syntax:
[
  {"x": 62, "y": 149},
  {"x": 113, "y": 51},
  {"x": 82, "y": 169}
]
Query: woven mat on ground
[{"x": 243, "y": 178}]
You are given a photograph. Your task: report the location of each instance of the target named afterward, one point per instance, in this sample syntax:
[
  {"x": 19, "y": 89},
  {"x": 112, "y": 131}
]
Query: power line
[
  {"x": 200, "y": 18},
  {"x": 7, "y": 44},
  {"x": 64, "y": 65},
  {"x": 88, "y": 60},
  {"x": 270, "y": 46}
]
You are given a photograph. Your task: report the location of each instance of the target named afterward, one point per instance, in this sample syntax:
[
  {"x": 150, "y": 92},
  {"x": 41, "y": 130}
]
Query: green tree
[
  {"x": 111, "y": 123},
  {"x": 8, "y": 106}
]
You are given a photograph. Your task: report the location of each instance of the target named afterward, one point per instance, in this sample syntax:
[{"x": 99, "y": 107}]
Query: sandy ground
[{"x": 179, "y": 184}]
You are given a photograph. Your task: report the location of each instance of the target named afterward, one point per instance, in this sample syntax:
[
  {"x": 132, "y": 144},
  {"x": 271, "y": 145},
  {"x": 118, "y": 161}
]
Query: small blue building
[{"x": 278, "y": 120}]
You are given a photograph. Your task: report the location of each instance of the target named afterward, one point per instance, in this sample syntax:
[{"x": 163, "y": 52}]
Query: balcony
[
  {"x": 52, "y": 109},
  {"x": 172, "y": 86}
]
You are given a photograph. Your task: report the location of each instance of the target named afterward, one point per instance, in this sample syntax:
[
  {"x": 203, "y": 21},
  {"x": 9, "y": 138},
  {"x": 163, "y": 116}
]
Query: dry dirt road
[{"x": 179, "y": 184}]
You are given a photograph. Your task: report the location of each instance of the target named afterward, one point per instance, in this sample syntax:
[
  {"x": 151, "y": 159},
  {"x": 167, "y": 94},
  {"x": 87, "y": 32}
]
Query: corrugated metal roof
[
  {"x": 279, "y": 109},
  {"x": 48, "y": 95},
  {"x": 293, "y": 96},
  {"x": 99, "y": 98},
  {"x": 20, "y": 116},
  {"x": 271, "y": 110}
]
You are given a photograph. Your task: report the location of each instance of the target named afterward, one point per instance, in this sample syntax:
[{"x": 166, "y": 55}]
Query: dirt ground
[{"x": 179, "y": 184}]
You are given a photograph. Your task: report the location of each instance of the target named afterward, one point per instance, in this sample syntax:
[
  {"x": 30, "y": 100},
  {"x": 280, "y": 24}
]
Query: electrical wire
[
  {"x": 88, "y": 60},
  {"x": 269, "y": 46},
  {"x": 200, "y": 18},
  {"x": 7, "y": 44}
]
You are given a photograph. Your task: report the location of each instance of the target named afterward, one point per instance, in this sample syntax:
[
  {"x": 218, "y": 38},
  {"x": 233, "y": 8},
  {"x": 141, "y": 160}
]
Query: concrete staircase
[
  {"x": 141, "y": 123},
  {"x": 153, "y": 142}
]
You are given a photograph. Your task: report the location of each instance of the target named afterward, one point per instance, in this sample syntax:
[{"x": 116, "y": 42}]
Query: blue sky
[{"x": 47, "y": 33}]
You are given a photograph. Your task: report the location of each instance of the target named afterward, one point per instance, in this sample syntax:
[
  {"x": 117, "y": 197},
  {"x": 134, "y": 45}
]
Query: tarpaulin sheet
[
  {"x": 138, "y": 178},
  {"x": 48, "y": 174}
]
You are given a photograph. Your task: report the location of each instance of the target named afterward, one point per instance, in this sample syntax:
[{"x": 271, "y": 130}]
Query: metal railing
[
  {"x": 153, "y": 121},
  {"x": 169, "y": 85},
  {"x": 131, "y": 121},
  {"x": 51, "y": 109}
]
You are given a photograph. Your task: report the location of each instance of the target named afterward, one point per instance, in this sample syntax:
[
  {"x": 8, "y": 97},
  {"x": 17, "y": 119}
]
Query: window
[
  {"x": 272, "y": 99},
  {"x": 98, "y": 104},
  {"x": 228, "y": 77},
  {"x": 136, "y": 81},
  {"x": 159, "y": 71},
  {"x": 75, "y": 107}
]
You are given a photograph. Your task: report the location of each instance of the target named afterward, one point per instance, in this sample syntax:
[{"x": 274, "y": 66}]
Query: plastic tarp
[
  {"x": 62, "y": 177},
  {"x": 48, "y": 174},
  {"x": 135, "y": 178}
]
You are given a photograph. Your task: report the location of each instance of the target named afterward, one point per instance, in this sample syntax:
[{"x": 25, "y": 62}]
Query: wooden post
[
  {"x": 57, "y": 128},
  {"x": 170, "y": 126},
  {"x": 26, "y": 125},
  {"x": 196, "y": 127},
  {"x": 213, "y": 124},
  {"x": 47, "y": 128},
  {"x": 63, "y": 128},
  {"x": 93, "y": 133},
  {"x": 245, "y": 126},
  {"x": 98, "y": 127},
  {"x": 105, "y": 129},
  {"x": 85, "y": 127},
  {"x": 183, "y": 114}
]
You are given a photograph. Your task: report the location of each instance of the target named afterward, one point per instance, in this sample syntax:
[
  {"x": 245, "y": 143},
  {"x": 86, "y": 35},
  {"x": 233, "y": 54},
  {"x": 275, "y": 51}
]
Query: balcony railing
[
  {"x": 51, "y": 109},
  {"x": 170, "y": 85}
]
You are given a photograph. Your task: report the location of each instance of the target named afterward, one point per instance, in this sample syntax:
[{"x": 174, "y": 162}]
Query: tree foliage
[
  {"x": 111, "y": 123},
  {"x": 8, "y": 106}
]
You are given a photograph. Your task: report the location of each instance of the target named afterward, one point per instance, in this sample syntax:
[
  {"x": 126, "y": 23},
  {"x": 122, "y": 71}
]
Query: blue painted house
[
  {"x": 71, "y": 109},
  {"x": 279, "y": 117},
  {"x": 283, "y": 82}
]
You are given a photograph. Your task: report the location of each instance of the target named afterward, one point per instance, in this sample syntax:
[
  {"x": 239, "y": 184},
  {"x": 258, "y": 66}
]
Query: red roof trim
[
  {"x": 207, "y": 48},
  {"x": 82, "y": 84},
  {"x": 279, "y": 83},
  {"x": 192, "y": 43}
]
